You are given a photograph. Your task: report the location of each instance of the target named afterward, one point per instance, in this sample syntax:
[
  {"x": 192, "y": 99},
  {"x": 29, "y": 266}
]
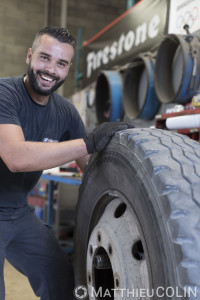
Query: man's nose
[{"x": 50, "y": 67}]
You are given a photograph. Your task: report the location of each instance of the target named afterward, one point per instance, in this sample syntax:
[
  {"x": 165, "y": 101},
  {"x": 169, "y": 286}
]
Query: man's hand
[{"x": 98, "y": 139}]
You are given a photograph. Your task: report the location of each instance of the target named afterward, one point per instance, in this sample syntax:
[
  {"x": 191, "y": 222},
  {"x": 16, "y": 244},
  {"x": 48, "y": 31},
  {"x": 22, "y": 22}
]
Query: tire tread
[{"x": 173, "y": 162}]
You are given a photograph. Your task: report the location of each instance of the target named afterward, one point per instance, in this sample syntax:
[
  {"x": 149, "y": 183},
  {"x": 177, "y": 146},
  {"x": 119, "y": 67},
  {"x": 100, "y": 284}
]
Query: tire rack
[
  {"x": 52, "y": 179},
  {"x": 193, "y": 133}
]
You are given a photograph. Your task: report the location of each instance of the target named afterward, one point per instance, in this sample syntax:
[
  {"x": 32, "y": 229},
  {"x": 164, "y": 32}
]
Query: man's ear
[{"x": 29, "y": 55}]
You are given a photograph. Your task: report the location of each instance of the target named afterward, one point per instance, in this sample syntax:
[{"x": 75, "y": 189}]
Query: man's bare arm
[
  {"x": 23, "y": 156},
  {"x": 81, "y": 162}
]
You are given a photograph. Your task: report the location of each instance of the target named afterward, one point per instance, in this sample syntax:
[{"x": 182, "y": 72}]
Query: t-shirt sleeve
[
  {"x": 76, "y": 129},
  {"x": 8, "y": 106}
]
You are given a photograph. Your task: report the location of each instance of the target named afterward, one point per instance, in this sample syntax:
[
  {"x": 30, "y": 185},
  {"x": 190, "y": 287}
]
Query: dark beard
[{"x": 33, "y": 82}]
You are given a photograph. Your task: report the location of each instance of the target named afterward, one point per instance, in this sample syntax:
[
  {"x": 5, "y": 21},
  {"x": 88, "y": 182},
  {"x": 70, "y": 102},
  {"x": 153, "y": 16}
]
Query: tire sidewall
[{"x": 117, "y": 171}]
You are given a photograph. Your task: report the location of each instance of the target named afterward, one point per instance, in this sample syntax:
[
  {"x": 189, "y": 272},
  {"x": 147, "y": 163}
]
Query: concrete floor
[{"x": 17, "y": 285}]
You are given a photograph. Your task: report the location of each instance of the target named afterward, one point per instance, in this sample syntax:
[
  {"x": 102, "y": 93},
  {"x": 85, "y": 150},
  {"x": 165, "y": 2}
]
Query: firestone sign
[
  {"x": 137, "y": 31},
  {"x": 125, "y": 43}
]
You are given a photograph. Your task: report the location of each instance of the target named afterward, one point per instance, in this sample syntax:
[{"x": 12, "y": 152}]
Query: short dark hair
[{"x": 61, "y": 34}]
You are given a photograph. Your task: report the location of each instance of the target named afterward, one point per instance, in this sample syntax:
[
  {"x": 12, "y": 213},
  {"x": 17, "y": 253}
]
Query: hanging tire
[{"x": 138, "y": 218}]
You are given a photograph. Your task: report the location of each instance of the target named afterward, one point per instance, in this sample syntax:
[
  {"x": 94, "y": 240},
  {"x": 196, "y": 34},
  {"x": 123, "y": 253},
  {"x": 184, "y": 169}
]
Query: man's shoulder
[
  {"x": 65, "y": 106},
  {"x": 62, "y": 101},
  {"x": 10, "y": 82}
]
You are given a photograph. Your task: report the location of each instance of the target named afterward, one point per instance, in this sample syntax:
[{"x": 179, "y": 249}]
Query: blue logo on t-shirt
[{"x": 47, "y": 140}]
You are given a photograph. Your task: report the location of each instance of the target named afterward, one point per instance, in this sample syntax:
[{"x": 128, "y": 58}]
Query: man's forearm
[
  {"x": 24, "y": 156},
  {"x": 35, "y": 156}
]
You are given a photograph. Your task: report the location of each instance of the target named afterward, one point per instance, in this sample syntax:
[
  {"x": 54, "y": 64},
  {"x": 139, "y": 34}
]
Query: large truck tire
[{"x": 138, "y": 218}]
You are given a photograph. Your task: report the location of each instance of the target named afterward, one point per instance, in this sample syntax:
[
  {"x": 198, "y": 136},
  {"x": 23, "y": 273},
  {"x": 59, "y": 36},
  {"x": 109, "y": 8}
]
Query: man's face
[{"x": 48, "y": 64}]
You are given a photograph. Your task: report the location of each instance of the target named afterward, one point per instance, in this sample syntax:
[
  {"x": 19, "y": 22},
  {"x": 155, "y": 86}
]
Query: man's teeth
[{"x": 46, "y": 78}]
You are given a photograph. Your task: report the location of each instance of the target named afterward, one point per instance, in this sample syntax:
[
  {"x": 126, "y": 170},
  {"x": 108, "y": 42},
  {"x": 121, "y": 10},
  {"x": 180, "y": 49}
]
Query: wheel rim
[{"x": 116, "y": 259}]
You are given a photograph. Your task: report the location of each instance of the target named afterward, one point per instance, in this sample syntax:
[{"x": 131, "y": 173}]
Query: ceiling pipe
[
  {"x": 63, "y": 23},
  {"x": 47, "y": 12}
]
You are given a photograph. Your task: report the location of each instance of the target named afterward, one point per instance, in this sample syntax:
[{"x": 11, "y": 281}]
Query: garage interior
[{"x": 133, "y": 88}]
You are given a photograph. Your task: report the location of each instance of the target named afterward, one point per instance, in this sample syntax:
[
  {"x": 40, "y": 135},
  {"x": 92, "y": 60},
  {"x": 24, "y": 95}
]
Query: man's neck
[{"x": 39, "y": 99}]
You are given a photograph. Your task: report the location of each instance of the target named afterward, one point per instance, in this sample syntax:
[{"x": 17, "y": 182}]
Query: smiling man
[
  {"x": 50, "y": 70},
  {"x": 39, "y": 130}
]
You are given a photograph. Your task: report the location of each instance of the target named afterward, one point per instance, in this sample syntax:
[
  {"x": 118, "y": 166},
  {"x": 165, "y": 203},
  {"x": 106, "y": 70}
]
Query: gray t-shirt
[{"x": 55, "y": 122}]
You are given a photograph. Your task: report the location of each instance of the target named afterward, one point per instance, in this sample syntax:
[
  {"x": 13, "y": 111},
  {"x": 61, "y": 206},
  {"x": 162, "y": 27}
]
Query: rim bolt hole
[
  {"x": 89, "y": 278},
  {"x": 91, "y": 250},
  {"x": 110, "y": 249},
  {"x": 120, "y": 210},
  {"x": 138, "y": 251},
  {"x": 117, "y": 282},
  {"x": 99, "y": 237}
]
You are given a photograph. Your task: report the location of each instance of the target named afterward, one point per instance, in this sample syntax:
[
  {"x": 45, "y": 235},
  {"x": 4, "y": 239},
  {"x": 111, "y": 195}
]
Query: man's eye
[
  {"x": 61, "y": 64},
  {"x": 44, "y": 57}
]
